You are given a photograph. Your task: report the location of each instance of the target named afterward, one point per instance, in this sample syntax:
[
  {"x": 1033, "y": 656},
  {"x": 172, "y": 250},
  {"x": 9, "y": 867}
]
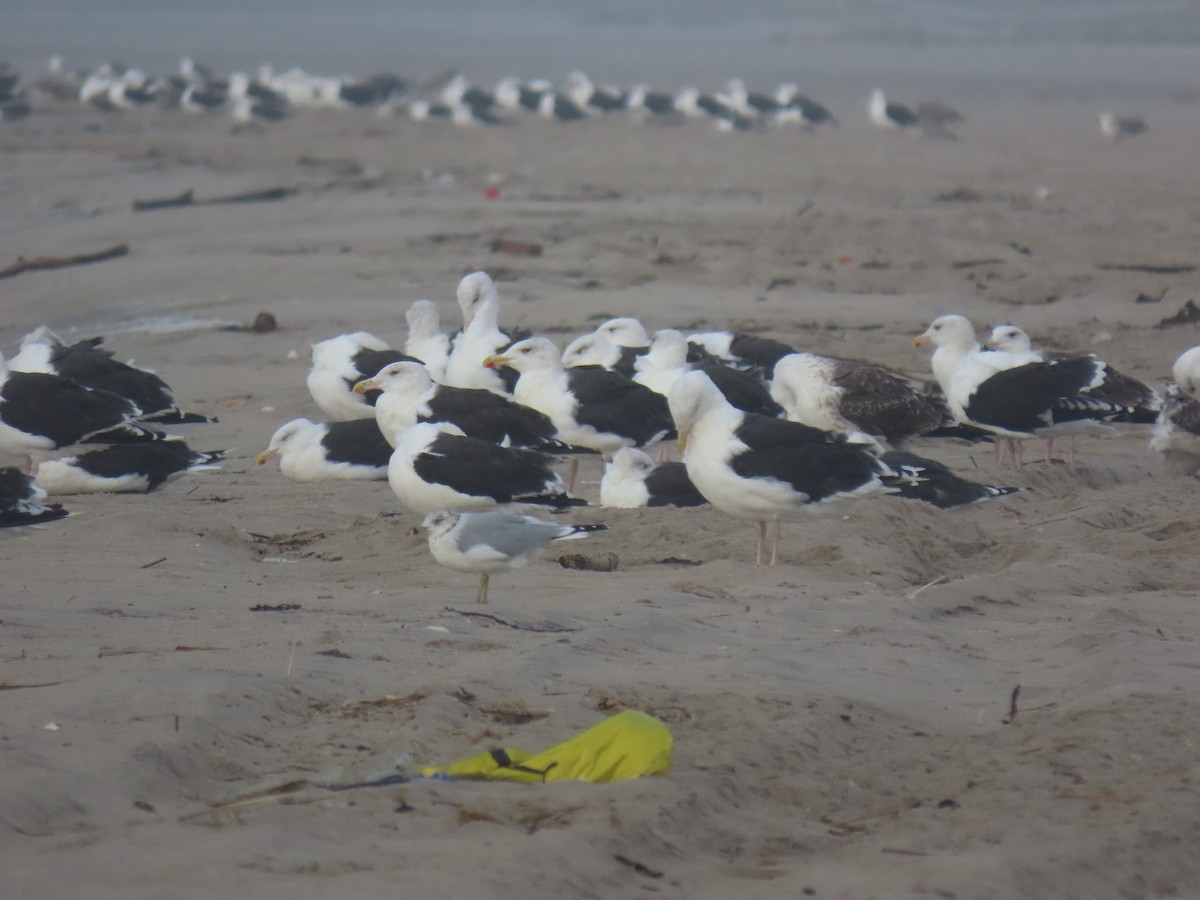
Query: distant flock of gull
[
  {"x": 468, "y": 428},
  {"x": 268, "y": 96}
]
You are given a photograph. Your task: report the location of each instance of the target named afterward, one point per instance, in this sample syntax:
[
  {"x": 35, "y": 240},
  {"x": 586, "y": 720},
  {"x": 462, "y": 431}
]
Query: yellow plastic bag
[{"x": 631, "y": 744}]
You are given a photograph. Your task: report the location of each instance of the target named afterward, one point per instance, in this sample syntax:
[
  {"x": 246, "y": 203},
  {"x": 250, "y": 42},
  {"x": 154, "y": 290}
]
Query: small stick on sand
[
  {"x": 912, "y": 595},
  {"x": 61, "y": 262},
  {"x": 1012, "y": 706}
]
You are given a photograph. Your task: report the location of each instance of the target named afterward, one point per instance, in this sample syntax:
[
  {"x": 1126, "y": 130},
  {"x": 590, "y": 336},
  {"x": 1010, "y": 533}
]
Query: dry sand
[{"x": 842, "y": 721}]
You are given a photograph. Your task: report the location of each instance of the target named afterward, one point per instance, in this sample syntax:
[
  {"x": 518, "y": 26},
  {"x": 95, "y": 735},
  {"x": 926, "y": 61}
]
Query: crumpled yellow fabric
[{"x": 630, "y": 744}]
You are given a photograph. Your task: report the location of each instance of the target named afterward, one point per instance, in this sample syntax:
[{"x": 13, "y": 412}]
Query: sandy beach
[{"x": 843, "y": 722}]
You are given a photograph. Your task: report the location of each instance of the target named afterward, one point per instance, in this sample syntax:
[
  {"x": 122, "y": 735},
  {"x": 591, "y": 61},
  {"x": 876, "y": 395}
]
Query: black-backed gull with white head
[
  {"x": 1143, "y": 401},
  {"x": 589, "y": 405},
  {"x": 848, "y": 396},
  {"x": 330, "y": 451},
  {"x": 748, "y": 351},
  {"x": 435, "y": 464},
  {"x": 341, "y": 362},
  {"x": 1177, "y": 432},
  {"x": 890, "y": 115},
  {"x": 485, "y": 543},
  {"x": 764, "y": 469},
  {"x": 410, "y": 395},
  {"x": 1017, "y": 401},
  {"x": 1116, "y": 127},
  {"x": 632, "y": 480},
  {"x": 596, "y": 350},
  {"x": 125, "y": 468}
]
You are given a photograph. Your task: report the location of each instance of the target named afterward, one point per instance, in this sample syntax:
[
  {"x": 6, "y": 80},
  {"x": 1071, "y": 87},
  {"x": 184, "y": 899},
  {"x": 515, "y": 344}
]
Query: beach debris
[
  {"x": 1012, "y": 706},
  {"x": 1187, "y": 315},
  {"x": 29, "y": 264},
  {"x": 607, "y": 562},
  {"x": 188, "y": 198},
  {"x": 151, "y": 565},
  {"x": 1147, "y": 268},
  {"x": 278, "y": 607},
  {"x": 543, "y": 627},
  {"x": 6, "y": 686},
  {"x": 630, "y": 744},
  {"x": 516, "y": 248},
  {"x": 264, "y": 323},
  {"x": 640, "y": 868}
]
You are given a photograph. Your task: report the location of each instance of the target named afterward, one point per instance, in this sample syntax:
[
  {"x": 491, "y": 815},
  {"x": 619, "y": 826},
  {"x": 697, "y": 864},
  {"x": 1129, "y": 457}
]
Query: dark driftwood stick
[
  {"x": 187, "y": 198},
  {"x": 61, "y": 262},
  {"x": 1149, "y": 269}
]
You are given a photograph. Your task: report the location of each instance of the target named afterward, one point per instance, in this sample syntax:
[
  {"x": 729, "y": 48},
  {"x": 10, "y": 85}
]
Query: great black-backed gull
[
  {"x": 410, "y": 395},
  {"x": 763, "y": 469},
  {"x": 21, "y": 500},
  {"x": 338, "y": 364},
  {"x": 426, "y": 341},
  {"x": 480, "y": 338},
  {"x": 1016, "y": 401},
  {"x": 746, "y": 351},
  {"x": 1140, "y": 399},
  {"x": 587, "y": 95},
  {"x": 847, "y": 397},
  {"x": 489, "y": 542},
  {"x": 590, "y": 406},
  {"x": 632, "y": 480},
  {"x": 40, "y": 412},
  {"x": 643, "y": 99},
  {"x": 890, "y": 115},
  {"x": 330, "y": 451},
  {"x": 1116, "y": 127},
  {"x": 435, "y": 464},
  {"x": 668, "y": 360},
  {"x": 932, "y": 482},
  {"x": 517, "y": 96},
  {"x": 125, "y": 468},
  {"x": 596, "y": 350},
  {"x": 90, "y": 367},
  {"x": 553, "y": 105}
]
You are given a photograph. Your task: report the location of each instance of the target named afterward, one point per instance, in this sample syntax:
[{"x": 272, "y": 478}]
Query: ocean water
[{"x": 1084, "y": 49}]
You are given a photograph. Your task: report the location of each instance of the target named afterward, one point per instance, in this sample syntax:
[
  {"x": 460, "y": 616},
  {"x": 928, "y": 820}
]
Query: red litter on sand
[{"x": 492, "y": 193}]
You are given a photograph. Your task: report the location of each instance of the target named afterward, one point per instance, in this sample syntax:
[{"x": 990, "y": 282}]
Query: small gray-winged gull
[{"x": 490, "y": 542}]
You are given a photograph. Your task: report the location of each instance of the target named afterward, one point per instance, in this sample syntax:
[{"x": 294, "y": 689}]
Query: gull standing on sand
[
  {"x": 1011, "y": 397},
  {"x": 753, "y": 467},
  {"x": 1116, "y": 127},
  {"x": 890, "y": 115},
  {"x": 490, "y": 542}
]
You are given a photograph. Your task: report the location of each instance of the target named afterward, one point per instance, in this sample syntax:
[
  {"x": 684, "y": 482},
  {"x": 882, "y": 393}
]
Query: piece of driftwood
[
  {"x": 516, "y": 248},
  {"x": 1148, "y": 269},
  {"x": 1186, "y": 316},
  {"x": 31, "y": 264},
  {"x": 188, "y": 198}
]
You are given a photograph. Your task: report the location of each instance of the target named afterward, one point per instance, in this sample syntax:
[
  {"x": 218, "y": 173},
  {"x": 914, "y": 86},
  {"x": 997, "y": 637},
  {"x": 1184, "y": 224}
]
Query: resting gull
[
  {"x": 341, "y": 362},
  {"x": 632, "y": 480},
  {"x": 426, "y": 341},
  {"x": 1011, "y": 398},
  {"x": 1177, "y": 432},
  {"x": 480, "y": 338},
  {"x": 124, "y": 468},
  {"x": 435, "y": 464},
  {"x": 41, "y": 412},
  {"x": 848, "y": 396},
  {"x": 411, "y": 395},
  {"x": 330, "y": 451},
  {"x": 491, "y": 542},
  {"x": 764, "y": 469},
  {"x": 590, "y": 406},
  {"x": 1142, "y": 401}
]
